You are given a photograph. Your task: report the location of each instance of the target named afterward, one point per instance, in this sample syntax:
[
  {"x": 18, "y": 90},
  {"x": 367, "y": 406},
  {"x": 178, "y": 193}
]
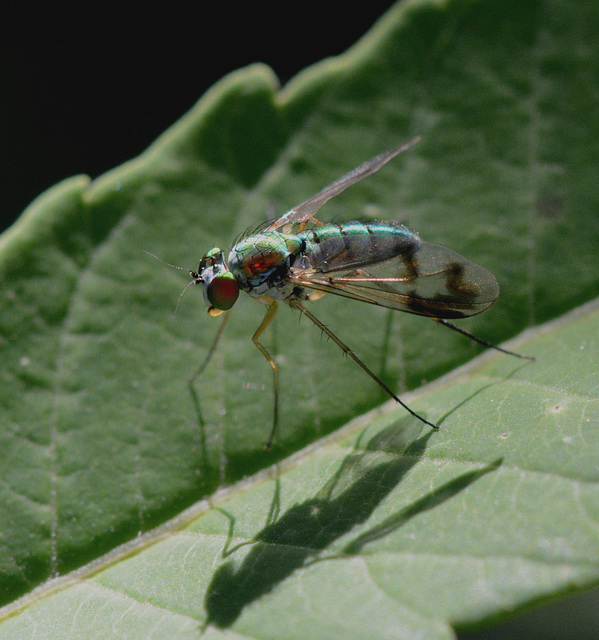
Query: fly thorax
[{"x": 261, "y": 263}]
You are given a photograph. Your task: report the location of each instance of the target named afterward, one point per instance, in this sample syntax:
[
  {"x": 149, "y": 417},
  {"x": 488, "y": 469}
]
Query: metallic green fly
[{"x": 297, "y": 259}]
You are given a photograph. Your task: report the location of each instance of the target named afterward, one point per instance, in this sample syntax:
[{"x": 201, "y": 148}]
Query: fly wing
[
  {"x": 308, "y": 209},
  {"x": 432, "y": 280}
]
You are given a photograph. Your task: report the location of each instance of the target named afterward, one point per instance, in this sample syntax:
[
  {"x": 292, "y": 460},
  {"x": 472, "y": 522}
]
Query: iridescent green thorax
[{"x": 260, "y": 263}]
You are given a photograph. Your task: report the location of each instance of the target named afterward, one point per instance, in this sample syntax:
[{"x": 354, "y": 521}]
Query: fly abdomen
[{"x": 357, "y": 244}]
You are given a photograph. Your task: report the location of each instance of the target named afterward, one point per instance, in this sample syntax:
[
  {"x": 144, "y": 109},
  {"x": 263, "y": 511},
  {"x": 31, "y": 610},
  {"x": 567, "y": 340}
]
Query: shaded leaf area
[
  {"x": 384, "y": 530},
  {"x": 101, "y": 437},
  {"x": 299, "y": 535}
]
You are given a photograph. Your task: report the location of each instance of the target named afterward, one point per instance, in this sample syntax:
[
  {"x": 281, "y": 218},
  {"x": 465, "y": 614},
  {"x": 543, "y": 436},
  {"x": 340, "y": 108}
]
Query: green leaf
[
  {"x": 101, "y": 437},
  {"x": 385, "y": 529}
]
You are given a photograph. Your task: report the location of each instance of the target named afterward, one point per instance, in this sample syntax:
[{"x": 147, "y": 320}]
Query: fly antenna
[
  {"x": 174, "y": 266},
  {"x": 168, "y": 264},
  {"x": 194, "y": 281}
]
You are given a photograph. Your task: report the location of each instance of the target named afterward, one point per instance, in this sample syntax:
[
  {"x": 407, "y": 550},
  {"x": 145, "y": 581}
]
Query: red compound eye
[{"x": 222, "y": 292}]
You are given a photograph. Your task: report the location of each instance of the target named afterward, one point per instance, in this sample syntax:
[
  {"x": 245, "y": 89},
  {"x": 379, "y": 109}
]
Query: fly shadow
[{"x": 348, "y": 499}]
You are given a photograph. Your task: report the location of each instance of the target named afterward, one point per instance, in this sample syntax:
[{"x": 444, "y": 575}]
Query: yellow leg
[{"x": 268, "y": 317}]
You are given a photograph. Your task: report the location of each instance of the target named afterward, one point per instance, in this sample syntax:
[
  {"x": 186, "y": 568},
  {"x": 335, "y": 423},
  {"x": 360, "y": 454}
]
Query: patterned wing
[{"x": 431, "y": 280}]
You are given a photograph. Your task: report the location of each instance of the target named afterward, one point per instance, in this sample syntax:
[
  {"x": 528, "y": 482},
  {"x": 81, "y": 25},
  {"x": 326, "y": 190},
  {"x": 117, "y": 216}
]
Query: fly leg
[
  {"x": 194, "y": 376},
  {"x": 301, "y": 226},
  {"x": 480, "y": 340},
  {"x": 270, "y": 314},
  {"x": 296, "y": 304}
]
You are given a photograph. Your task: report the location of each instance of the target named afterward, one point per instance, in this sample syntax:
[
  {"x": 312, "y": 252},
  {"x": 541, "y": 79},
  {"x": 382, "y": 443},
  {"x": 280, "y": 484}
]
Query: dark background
[{"x": 85, "y": 91}]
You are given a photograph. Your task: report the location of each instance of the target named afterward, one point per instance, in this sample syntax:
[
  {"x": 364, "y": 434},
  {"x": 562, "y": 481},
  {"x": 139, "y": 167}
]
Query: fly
[{"x": 297, "y": 259}]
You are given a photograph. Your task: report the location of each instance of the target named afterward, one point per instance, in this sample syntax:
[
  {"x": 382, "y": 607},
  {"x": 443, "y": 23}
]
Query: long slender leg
[
  {"x": 194, "y": 376},
  {"x": 268, "y": 317},
  {"x": 480, "y": 340},
  {"x": 296, "y": 304}
]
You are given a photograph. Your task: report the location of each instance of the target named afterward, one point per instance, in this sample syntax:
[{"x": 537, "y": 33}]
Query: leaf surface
[
  {"x": 101, "y": 437},
  {"x": 385, "y": 529}
]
